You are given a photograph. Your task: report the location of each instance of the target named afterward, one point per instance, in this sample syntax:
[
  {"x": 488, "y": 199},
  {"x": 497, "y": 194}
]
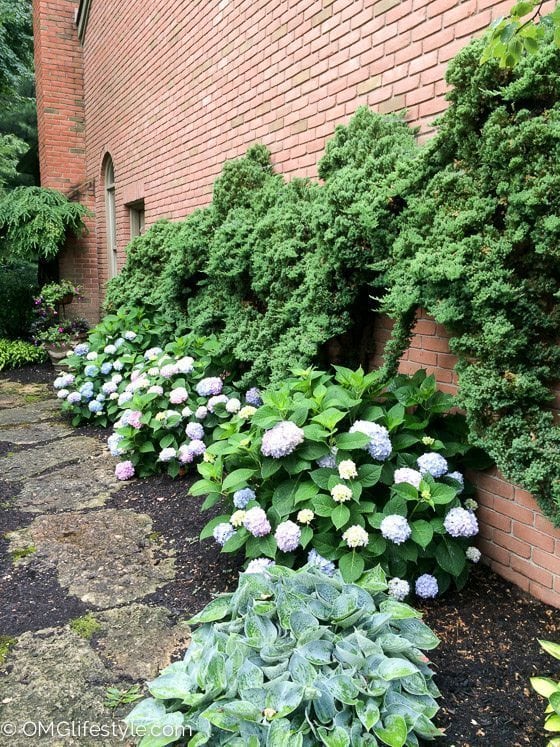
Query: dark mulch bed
[
  {"x": 40, "y": 373},
  {"x": 201, "y": 570},
  {"x": 488, "y": 651},
  {"x": 488, "y": 631},
  {"x": 31, "y": 596}
]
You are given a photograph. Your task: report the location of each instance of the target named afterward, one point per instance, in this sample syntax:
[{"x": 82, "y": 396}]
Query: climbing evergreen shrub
[
  {"x": 466, "y": 227},
  {"x": 160, "y": 267},
  {"x": 279, "y": 268},
  {"x": 478, "y": 248}
]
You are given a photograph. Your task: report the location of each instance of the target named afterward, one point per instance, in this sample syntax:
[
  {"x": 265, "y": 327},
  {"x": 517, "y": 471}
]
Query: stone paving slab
[
  {"x": 54, "y": 676},
  {"x": 34, "y": 433},
  {"x": 32, "y": 413},
  {"x": 105, "y": 558},
  {"x": 137, "y": 641},
  {"x": 24, "y": 464},
  {"x": 70, "y": 488},
  {"x": 16, "y": 394}
]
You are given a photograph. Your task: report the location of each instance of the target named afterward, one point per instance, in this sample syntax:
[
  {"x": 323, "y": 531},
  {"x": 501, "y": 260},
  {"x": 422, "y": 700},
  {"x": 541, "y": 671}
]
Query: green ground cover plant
[
  {"x": 17, "y": 353},
  {"x": 85, "y": 626}
]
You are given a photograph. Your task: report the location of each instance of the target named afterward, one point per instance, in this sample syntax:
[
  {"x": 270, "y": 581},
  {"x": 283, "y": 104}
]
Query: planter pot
[
  {"x": 56, "y": 353},
  {"x": 68, "y": 298}
]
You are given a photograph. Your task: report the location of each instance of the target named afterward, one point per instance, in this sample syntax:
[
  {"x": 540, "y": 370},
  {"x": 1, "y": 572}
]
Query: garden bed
[{"x": 488, "y": 631}]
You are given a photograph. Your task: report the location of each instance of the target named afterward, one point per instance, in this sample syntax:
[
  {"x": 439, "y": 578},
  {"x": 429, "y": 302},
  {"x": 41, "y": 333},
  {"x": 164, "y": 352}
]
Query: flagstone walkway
[{"x": 87, "y": 567}]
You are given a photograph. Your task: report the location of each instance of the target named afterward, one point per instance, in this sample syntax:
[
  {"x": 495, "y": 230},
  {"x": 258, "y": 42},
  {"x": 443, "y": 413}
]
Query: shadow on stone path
[{"x": 100, "y": 562}]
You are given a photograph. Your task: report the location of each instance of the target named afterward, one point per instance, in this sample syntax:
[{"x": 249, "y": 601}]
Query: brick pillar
[{"x": 61, "y": 124}]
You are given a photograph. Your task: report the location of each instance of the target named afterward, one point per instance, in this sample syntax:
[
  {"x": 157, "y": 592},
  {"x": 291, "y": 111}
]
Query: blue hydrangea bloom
[
  {"x": 461, "y": 523},
  {"x": 282, "y": 439},
  {"x": 124, "y": 398},
  {"x": 242, "y": 497},
  {"x": 427, "y": 586},
  {"x": 81, "y": 349},
  {"x": 195, "y": 431},
  {"x": 329, "y": 460},
  {"x": 253, "y": 397},
  {"x": 113, "y": 443},
  {"x": 458, "y": 477},
  {"x": 210, "y": 386},
  {"x": 379, "y": 446},
  {"x": 106, "y": 368},
  {"x": 95, "y": 406},
  {"x": 395, "y": 528},
  {"x": 432, "y": 463},
  {"x": 91, "y": 371}
]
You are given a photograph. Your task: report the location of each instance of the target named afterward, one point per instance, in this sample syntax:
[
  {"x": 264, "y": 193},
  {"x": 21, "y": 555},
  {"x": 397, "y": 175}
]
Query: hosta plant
[
  {"x": 353, "y": 470},
  {"x": 550, "y": 689},
  {"x": 15, "y": 353},
  {"x": 297, "y": 658}
]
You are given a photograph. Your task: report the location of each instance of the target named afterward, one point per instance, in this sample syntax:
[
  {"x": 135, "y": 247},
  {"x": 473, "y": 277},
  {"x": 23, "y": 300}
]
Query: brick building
[{"x": 140, "y": 104}]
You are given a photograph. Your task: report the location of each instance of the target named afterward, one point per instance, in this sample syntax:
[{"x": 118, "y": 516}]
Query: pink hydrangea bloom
[{"x": 124, "y": 470}]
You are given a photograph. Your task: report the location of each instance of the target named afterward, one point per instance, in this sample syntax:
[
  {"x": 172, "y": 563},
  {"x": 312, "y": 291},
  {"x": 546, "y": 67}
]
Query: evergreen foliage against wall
[
  {"x": 279, "y": 268},
  {"x": 466, "y": 227},
  {"x": 478, "y": 248}
]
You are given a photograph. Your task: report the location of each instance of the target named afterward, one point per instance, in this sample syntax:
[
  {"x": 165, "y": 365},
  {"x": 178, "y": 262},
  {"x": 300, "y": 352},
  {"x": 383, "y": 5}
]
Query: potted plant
[
  {"x": 54, "y": 295},
  {"x": 59, "y": 339}
]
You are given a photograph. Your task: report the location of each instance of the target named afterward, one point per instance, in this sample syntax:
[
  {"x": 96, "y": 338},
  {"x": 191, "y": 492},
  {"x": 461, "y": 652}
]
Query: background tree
[
  {"x": 521, "y": 33},
  {"x": 18, "y": 126}
]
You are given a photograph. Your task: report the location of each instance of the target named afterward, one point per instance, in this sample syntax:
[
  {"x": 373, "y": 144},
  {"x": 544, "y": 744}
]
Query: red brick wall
[
  {"x": 172, "y": 89},
  {"x": 175, "y": 88},
  {"x": 517, "y": 541},
  {"x": 60, "y": 116}
]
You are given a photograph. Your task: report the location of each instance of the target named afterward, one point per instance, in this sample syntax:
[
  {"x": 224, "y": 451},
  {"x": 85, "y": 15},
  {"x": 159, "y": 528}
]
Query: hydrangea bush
[
  {"x": 97, "y": 368},
  {"x": 297, "y": 658},
  {"x": 340, "y": 469},
  {"x": 171, "y": 408},
  {"x": 162, "y": 401}
]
